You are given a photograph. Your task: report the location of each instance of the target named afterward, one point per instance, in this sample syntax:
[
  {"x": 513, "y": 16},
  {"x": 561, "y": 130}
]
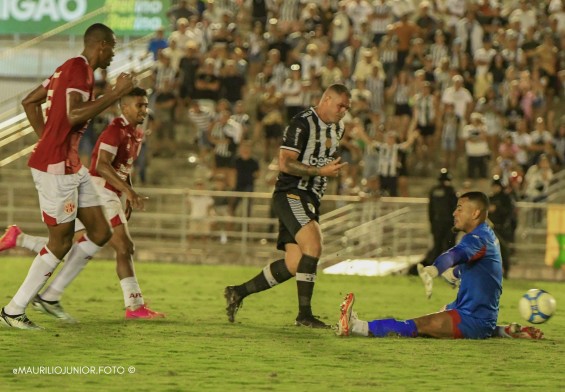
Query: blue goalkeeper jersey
[{"x": 478, "y": 257}]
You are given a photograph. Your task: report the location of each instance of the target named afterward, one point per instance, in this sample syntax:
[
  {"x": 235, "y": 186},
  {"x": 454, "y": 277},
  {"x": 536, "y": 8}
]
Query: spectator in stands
[
  {"x": 225, "y": 135},
  {"x": 399, "y": 93},
  {"x": 195, "y": 32},
  {"x": 271, "y": 120},
  {"x": 546, "y": 54},
  {"x": 188, "y": 67},
  {"x": 340, "y": 30},
  {"x": 201, "y": 117},
  {"x": 388, "y": 51},
  {"x": 470, "y": 32},
  {"x": 365, "y": 65},
  {"x": 207, "y": 85},
  {"x": 179, "y": 11},
  {"x": 416, "y": 55},
  {"x": 351, "y": 55},
  {"x": 379, "y": 19},
  {"x": 559, "y": 141},
  {"x": 180, "y": 36},
  {"x": 351, "y": 153},
  {"x": 426, "y": 106},
  {"x": 311, "y": 62},
  {"x": 232, "y": 83},
  {"x": 247, "y": 171},
  {"x": 157, "y": 43},
  {"x": 523, "y": 140},
  {"x": 164, "y": 112},
  {"x": 293, "y": 93},
  {"x": 259, "y": 12},
  {"x": 460, "y": 97},
  {"x": 482, "y": 59},
  {"x": 496, "y": 72},
  {"x": 476, "y": 147},
  {"x": 541, "y": 141},
  {"x": 391, "y": 164},
  {"x": 536, "y": 186},
  {"x": 330, "y": 73},
  {"x": 241, "y": 117},
  {"x": 405, "y": 30},
  {"x": 450, "y": 132},
  {"x": 256, "y": 50}
]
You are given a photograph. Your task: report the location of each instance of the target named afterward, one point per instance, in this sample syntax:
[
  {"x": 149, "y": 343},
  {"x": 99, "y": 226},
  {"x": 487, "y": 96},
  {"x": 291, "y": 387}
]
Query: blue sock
[{"x": 386, "y": 327}]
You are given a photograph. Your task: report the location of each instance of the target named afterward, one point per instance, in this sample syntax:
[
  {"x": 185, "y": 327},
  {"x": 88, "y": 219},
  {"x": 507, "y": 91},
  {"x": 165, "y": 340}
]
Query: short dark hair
[
  {"x": 136, "y": 92},
  {"x": 340, "y": 89},
  {"x": 98, "y": 32},
  {"x": 479, "y": 198}
]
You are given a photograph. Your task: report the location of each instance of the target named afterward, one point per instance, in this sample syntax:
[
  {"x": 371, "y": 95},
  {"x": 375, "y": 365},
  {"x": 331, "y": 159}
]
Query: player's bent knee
[{"x": 101, "y": 236}]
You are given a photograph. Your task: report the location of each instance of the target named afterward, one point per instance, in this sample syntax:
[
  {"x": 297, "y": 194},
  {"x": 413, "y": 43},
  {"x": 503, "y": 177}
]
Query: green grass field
[{"x": 196, "y": 349}]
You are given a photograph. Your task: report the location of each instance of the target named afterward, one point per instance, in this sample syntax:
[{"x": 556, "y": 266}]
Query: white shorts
[
  {"x": 112, "y": 205},
  {"x": 60, "y": 196}
]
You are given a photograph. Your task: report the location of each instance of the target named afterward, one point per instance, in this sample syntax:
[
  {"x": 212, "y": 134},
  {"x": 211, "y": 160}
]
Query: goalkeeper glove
[
  {"x": 427, "y": 274},
  {"x": 450, "y": 278}
]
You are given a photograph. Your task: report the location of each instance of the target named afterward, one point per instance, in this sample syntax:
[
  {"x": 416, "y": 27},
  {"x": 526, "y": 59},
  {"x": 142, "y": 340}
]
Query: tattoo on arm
[{"x": 296, "y": 168}]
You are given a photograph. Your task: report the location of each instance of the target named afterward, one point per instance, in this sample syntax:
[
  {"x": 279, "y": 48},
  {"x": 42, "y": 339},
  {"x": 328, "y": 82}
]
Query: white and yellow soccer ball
[{"x": 537, "y": 306}]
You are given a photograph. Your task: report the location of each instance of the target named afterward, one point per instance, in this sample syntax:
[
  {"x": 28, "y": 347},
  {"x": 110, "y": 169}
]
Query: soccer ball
[{"x": 537, "y": 306}]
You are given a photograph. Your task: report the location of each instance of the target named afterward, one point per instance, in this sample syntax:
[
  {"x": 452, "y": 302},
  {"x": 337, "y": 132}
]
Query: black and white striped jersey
[{"x": 316, "y": 144}]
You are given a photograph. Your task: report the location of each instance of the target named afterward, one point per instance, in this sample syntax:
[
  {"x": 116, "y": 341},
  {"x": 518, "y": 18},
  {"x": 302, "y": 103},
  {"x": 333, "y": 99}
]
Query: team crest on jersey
[{"x": 69, "y": 207}]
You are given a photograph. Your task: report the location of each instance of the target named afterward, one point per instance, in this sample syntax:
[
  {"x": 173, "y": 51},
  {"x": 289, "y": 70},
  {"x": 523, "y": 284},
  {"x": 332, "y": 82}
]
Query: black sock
[
  {"x": 272, "y": 275},
  {"x": 305, "y": 278}
]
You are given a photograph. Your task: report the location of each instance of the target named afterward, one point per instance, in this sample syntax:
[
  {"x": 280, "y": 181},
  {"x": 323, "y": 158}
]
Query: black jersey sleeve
[{"x": 295, "y": 136}]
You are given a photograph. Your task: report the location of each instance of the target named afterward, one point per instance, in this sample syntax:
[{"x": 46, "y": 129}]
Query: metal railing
[{"x": 352, "y": 227}]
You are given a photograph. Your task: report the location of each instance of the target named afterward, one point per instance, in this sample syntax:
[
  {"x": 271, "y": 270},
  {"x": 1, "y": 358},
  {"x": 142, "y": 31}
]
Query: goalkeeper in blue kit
[{"x": 478, "y": 266}]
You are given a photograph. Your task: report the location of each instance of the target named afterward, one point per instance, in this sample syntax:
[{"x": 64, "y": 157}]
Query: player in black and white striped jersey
[{"x": 306, "y": 159}]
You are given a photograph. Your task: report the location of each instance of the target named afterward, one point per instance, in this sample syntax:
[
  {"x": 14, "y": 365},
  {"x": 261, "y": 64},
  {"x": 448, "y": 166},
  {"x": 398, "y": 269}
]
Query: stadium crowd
[{"x": 481, "y": 80}]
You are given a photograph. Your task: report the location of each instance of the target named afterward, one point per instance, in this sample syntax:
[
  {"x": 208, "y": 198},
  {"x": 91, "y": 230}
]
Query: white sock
[
  {"x": 79, "y": 255},
  {"x": 132, "y": 293},
  {"x": 31, "y": 242},
  {"x": 359, "y": 327},
  {"x": 41, "y": 269}
]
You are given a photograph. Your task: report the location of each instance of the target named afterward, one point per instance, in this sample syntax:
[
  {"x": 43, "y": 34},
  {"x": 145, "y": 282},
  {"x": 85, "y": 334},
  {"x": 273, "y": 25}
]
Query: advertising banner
[
  {"x": 125, "y": 17},
  {"x": 555, "y": 245}
]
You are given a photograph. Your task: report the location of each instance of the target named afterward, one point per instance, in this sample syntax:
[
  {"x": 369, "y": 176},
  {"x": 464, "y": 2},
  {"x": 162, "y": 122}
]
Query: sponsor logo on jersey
[{"x": 319, "y": 161}]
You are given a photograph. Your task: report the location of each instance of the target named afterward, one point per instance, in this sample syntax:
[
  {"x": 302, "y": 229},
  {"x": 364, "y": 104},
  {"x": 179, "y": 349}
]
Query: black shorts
[
  {"x": 426, "y": 130},
  {"x": 402, "y": 109},
  {"x": 273, "y": 131},
  {"x": 221, "y": 162},
  {"x": 294, "y": 209}
]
